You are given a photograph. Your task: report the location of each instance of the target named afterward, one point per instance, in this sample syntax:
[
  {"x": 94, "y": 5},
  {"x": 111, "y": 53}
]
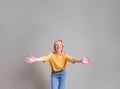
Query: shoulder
[
  {"x": 64, "y": 54},
  {"x": 51, "y": 53},
  {"x": 67, "y": 55}
]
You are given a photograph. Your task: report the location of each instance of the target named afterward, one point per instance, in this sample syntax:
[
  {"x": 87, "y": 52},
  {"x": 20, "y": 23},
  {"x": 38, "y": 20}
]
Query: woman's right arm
[{"x": 30, "y": 59}]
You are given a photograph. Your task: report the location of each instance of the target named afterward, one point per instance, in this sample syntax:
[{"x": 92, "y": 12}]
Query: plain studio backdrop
[{"x": 87, "y": 27}]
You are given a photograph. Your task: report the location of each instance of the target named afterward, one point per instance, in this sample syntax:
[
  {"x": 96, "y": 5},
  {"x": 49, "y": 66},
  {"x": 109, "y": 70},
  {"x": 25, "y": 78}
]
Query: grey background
[{"x": 87, "y": 27}]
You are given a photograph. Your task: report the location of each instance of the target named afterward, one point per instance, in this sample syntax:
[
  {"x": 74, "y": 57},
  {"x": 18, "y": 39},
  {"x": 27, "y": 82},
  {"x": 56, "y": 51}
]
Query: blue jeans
[{"x": 58, "y": 80}]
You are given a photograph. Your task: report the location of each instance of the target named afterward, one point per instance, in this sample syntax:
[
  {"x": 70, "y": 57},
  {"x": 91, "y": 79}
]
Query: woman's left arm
[{"x": 84, "y": 60}]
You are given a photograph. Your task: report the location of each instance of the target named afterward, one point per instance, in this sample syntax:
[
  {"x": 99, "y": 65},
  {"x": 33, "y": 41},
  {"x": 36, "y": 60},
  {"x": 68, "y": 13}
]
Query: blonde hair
[{"x": 62, "y": 45}]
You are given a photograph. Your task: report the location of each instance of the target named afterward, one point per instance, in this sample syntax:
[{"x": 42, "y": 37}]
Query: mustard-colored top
[{"x": 58, "y": 62}]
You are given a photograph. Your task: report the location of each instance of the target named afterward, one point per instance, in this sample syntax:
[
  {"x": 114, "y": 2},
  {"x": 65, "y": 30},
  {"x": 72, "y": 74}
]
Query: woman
[{"x": 58, "y": 60}]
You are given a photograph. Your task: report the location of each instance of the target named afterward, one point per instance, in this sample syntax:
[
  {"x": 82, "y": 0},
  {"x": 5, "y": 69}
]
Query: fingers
[
  {"x": 29, "y": 59},
  {"x": 28, "y": 62},
  {"x": 86, "y": 60},
  {"x": 31, "y": 56}
]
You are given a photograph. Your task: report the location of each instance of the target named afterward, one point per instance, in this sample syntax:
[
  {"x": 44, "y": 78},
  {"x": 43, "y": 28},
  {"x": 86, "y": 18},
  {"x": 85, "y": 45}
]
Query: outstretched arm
[
  {"x": 84, "y": 60},
  {"x": 30, "y": 59}
]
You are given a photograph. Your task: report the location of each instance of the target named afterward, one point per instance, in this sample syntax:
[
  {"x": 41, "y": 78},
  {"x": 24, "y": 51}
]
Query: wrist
[
  {"x": 33, "y": 60},
  {"x": 81, "y": 61}
]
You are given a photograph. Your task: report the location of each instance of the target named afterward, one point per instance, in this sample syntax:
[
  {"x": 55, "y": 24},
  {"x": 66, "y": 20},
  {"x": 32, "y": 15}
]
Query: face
[{"x": 58, "y": 46}]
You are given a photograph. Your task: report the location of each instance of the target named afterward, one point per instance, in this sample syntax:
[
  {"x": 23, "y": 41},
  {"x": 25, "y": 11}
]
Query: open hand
[
  {"x": 86, "y": 60},
  {"x": 30, "y": 59}
]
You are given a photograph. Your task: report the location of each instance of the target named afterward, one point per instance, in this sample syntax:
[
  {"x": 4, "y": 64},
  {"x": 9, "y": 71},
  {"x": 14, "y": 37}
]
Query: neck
[{"x": 58, "y": 53}]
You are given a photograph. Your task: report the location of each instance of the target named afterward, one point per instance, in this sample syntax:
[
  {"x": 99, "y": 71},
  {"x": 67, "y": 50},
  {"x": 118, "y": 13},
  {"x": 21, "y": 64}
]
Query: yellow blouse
[{"x": 58, "y": 62}]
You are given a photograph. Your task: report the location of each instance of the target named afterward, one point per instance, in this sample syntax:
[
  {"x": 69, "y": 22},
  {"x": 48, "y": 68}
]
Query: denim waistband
[{"x": 58, "y": 71}]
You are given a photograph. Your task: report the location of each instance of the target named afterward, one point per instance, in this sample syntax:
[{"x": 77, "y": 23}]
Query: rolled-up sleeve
[
  {"x": 70, "y": 58},
  {"x": 47, "y": 57}
]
